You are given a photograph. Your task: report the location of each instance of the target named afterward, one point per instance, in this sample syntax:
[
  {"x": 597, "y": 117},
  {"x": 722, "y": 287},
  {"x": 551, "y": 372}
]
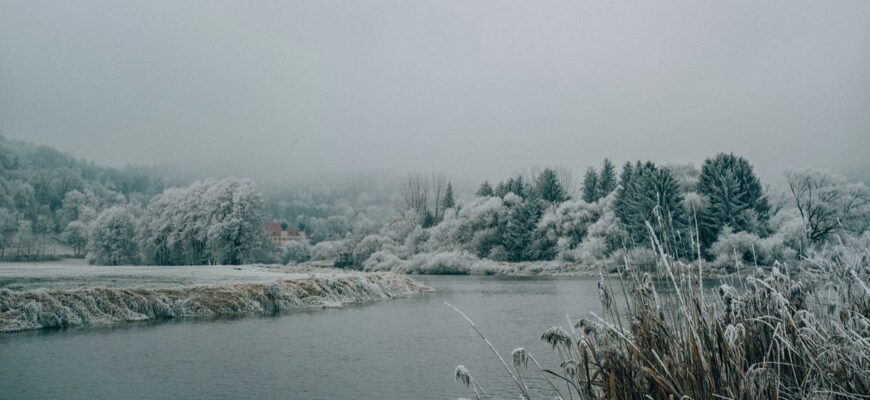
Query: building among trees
[{"x": 281, "y": 234}]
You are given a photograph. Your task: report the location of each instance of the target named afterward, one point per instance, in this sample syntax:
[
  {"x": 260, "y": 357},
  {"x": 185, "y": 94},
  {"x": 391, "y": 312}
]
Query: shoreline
[{"x": 30, "y": 309}]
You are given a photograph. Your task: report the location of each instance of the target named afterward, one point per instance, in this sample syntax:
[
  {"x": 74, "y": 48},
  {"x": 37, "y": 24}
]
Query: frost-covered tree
[
  {"x": 25, "y": 241},
  {"x": 828, "y": 203},
  {"x": 734, "y": 196},
  {"x": 208, "y": 222},
  {"x": 421, "y": 198},
  {"x": 76, "y": 236},
  {"x": 8, "y": 227},
  {"x": 235, "y": 232},
  {"x": 590, "y": 186},
  {"x": 649, "y": 194},
  {"x": 548, "y": 187},
  {"x": 485, "y": 190},
  {"x": 449, "y": 201},
  {"x": 111, "y": 237},
  {"x": 607, "y": 178},
  {"x": 516, "y": 185},
  {"x": 517, "y": 231},
  {"x": 370, "y": 245}
]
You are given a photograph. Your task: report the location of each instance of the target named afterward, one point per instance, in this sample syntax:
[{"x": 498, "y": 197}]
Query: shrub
[
  {"x": 297, "y": 251},
  {"x": 384, "y": 261}
]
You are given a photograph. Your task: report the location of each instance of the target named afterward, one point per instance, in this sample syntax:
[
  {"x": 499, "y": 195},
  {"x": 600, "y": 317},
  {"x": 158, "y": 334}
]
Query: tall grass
[{"x": 786, "y": 332}]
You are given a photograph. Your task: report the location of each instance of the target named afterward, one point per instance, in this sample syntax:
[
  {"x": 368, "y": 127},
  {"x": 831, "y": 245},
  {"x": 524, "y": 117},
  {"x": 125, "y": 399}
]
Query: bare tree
[
  {"x": 413, "y": 199},
  {"x": 566, "y": 180},
  {"x": 438, "y": 185},
  {"x": 421, "y": 197},
  {"x": 828, "y": 202}
]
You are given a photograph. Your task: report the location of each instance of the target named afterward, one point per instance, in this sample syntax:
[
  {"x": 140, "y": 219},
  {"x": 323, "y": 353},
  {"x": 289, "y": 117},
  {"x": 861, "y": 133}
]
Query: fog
[{"x": 300, "y": 90}]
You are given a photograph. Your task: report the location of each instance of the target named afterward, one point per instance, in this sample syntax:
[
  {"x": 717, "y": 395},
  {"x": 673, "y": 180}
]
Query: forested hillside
[{"x": 47, "y": 195}]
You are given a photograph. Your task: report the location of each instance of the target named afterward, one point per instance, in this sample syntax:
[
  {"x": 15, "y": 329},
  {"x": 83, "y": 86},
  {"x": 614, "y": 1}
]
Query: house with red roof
[{"x": 281, "y": 234}]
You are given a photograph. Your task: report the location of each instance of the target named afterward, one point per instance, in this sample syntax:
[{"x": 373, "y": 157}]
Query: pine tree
[
  {"x": 428, "y": 220},
  {"x": 607, "y": 179},
  {"x": 485, "y": 190},
  {"x": 548, "y": 187},
  {"x": 517, "y": 232},
  {"x": 649, "y": 194},
  {"x": 448, "y": 201},
  {"x": 735, "y": 196},
  {"x": 590, "y": 186},
  {"x": 516, "y": 185}
]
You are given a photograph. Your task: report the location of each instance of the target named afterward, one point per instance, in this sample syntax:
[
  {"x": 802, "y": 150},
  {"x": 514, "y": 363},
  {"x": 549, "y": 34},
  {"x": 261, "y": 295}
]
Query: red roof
[{"x": 274, "y": 229}]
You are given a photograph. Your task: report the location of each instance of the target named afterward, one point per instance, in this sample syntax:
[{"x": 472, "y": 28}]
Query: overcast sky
[{"x": 477, "y": 89}]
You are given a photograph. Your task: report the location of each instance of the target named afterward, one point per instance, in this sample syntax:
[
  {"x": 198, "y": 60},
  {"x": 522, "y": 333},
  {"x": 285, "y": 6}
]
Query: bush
[
  {"x": 447, "y": 263},
  {"x": 328, "y": 250},
  {"x": 384, "y": 261},
  {"x": 297, "y": 251},
  {"x": 735, "y": 249}
]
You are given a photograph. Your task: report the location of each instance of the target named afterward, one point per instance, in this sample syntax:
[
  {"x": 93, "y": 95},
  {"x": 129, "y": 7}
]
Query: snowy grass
[
  {"x": 113, "y": 297},
  {"x": 465, "y": 263},
  {"x": 770, "y": 334}
]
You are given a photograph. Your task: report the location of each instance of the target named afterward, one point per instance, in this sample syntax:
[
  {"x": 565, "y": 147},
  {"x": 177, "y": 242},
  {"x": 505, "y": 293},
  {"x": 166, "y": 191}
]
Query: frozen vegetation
[
  {"x": 34, "y": 297},
  {"x": 541, "y": 222},
  {"x": 791, "y": 332}
]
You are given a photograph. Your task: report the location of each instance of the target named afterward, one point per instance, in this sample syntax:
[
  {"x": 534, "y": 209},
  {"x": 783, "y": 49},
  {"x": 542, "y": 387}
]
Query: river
[{"x": 397, "y": 349}]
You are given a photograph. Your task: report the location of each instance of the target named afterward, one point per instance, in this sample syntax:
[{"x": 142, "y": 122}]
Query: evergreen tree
[
  {"x": 548, "y": 187},
  {"x": 516, "y": 185},
  {"x": 428, "y": 220},
  {"x": 607, "y": 179},
  {"x": 517, "y": 231},
  {"x": 735, "y": 196},
  {"x": 590, "y": 186},
  {"x": 485, "y": 190},
  {"x": 448, "y": 201},
  {"x": 651, "y": 194}
]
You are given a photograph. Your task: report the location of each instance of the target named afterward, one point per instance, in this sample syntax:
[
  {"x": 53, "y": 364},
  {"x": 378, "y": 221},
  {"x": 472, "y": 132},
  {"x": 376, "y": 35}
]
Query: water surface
[{"x": 397, "y": 349}]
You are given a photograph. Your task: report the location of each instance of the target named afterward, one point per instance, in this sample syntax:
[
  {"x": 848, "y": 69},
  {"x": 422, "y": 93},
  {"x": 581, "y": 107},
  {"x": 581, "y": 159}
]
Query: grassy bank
[
  {"x": 790, "y": 332},
  {"x": 58, "y": 308}
]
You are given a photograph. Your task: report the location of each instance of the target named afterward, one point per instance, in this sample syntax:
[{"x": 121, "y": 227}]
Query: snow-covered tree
[
  {"x": 590, "y": 186},
  {"x": 649, "y": 194},
  {"x": 548, "y": 187},
  {"x": 449, "y": 201},
  {"x": 8, "y": 227},
  {"x": 111, "y": 237},
  {"x": 235, "y": 212},
  {"x": 606, "y": 178},
  {"x": 25, "y": 241},
  {"x": 517, "y": 232},
  {"x": 76, "y": 236},
  {"x": 828, "y": 203},
  {"x": 209, "y": 222},
  {"x": 734, "y": 195},
  {"x": 485, "y": 190},
  {"x": 516, "y": 185}
]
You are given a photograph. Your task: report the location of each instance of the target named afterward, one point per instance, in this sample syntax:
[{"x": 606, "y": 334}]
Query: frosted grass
[{"x": 51, "y": 296}]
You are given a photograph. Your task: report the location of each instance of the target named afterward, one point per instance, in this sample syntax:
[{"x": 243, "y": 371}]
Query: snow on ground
[
  {"x": 69, "y": 274},
  {"x": 42, "y": 295}
]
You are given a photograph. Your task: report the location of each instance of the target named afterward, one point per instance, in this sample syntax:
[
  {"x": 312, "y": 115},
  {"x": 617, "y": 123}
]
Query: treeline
[{"x": 720, "y": 212}]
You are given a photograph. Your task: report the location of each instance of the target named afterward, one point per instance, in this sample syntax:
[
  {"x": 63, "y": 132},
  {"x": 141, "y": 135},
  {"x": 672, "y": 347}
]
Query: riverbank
[{"x": 54, "y": 296}]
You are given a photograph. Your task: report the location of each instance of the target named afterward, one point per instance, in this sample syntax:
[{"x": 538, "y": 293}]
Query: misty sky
[{"x": 477, "y": 89}]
